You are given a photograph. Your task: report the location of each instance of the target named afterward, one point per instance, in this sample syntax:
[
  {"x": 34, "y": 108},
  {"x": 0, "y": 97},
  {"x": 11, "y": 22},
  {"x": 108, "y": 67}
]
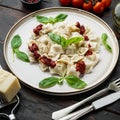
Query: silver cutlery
[
  {"x": 97, "y": 105},
  {"x": 4, "y": 104},
  {"x": 114, "y": 86}
]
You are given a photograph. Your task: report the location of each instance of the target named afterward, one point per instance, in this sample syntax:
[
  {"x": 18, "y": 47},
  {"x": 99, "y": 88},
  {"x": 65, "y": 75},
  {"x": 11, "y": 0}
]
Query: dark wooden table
[{"x": 38, "y": 106}]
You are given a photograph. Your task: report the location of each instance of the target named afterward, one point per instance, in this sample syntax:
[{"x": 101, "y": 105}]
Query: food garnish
[
  {"x": 63, "y": 41},
  {"x": 72, "y": 81},
  {"x": 15, "y": 44},
  {"x": 45, "y": 20},
  {"x": 104, "y": 38}
]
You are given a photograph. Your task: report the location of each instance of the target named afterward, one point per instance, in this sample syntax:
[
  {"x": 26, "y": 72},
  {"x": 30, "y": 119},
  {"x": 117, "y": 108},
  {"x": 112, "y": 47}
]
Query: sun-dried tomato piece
[
  {"x": 37, "y": 29},
  {"x": 82, "y": 29},
  {"x": 45, "y": 60},
  {"x": 78, "y": 24},
  {"x": 33, "y": 47},
  {"x": 48, "y": 61},
  {"x": 52, "y": 64},
  {"x": 89, "y": 52},
  {"x": 86, "y": 38},
  {"x": 89, "y": 45},
  {"x": 80, "y": 66},
  {"x": 36, "y": 55}
]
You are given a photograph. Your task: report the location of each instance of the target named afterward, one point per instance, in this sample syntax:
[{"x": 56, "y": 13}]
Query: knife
[{"x": 94, "y": 106}]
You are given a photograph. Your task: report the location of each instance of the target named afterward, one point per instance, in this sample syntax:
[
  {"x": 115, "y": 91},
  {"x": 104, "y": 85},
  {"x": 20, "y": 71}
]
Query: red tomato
[
  {"x": 65, "y": 2},
  {"x": 77, "y": 3},
  {"x": 87, "y": 6},
  {"x": 98, "y": 7},
  {"x": 107, "y": 3}
]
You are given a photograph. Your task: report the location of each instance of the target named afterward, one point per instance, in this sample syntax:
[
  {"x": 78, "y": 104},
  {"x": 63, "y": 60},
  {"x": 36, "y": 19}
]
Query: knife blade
[{"x": 94, "y": 106}]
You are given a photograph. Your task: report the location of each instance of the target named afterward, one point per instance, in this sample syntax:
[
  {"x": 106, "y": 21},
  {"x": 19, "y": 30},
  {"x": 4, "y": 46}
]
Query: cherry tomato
[
  {"x": 87, "y": 6},
  {"x": 77, "y": 3},
  {"x": 65, "y": 2},
  {"x": 98, "y": 7},
  {"x": 107, "y": 3}
]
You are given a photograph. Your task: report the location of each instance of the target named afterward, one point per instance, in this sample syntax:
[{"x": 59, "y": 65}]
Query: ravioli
[{"x": 76, "y": 59}]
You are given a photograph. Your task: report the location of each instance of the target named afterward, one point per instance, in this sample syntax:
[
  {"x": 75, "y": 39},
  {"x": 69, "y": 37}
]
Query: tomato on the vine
[
  {"x": 87, "y": 6},
  {"x": 99, "y": 7},
  {"x": 96, "y": 6},
  {"x": 77, "y": 3},
  {"x": 65, "y": 2},
  {"x": 107, "y": 3}
]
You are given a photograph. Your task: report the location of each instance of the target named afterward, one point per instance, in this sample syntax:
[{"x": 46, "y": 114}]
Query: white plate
[{"x": 31, "y": 75}]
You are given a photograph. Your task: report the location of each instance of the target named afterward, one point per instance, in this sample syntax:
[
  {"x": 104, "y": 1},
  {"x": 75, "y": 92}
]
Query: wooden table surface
[{"x": 38, "y": 106}]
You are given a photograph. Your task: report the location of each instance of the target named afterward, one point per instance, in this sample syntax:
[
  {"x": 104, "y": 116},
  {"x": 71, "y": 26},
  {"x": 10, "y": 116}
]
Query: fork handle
[
  {"x": 77, "y": 114},
  {"x": 12, "y": 117},
  {"x": 61, "y": 113},
  {"x": 82, "y": 112}
]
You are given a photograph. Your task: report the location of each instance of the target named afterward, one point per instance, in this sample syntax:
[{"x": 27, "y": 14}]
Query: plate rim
[{"x": 57, "y": 93}]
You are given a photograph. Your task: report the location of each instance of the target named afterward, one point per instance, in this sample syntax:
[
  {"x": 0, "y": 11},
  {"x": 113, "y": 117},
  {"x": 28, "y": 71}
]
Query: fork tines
[{"x": 117, "y": 82}]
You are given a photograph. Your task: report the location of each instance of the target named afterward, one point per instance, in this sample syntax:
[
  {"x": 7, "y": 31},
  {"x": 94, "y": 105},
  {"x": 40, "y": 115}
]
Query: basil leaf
[
  {"x": 16, "y": 42},
  {"x": 108, "y": 47},
  {"x": 55, "y": 38},
  {"x": 73, "y": 40},
  {"x": 48, "y": 82},
  {"x": 22, "y": 56},
  {"x": 75, "y": 82},
  {"x": 43, "y": 19},
  {"x": 62, "y": 41},
  {"x": 60, "y": 17},
  {"x": 52, "y": 20},
  {"x": 104, "y": 38}
]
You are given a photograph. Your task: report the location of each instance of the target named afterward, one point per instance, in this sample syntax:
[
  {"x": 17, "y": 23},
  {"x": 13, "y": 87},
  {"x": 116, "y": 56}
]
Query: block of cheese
[{"x": 9, "y": 85}]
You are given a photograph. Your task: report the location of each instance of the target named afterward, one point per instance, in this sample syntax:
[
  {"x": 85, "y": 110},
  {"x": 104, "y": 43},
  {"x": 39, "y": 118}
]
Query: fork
[
  {"x": 114, "y": 86},
  {"x": 4, "y": 103}
]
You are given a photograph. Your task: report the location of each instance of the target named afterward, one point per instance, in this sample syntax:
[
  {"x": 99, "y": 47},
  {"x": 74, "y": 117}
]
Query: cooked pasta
[{"x": 74, "y": 59}]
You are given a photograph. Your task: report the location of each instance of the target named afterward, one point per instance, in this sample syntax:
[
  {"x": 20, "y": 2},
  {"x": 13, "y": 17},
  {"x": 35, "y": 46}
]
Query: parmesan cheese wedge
[{"x": 9, "y": 85}]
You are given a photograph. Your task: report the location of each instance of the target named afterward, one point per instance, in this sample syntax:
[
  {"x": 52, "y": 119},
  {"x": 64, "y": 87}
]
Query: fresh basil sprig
[
  {"x": 21, "y": 55},
  {"x": 15, "y": 44},
  {"x": 104, "y": 38},
  {"x": 72, "y": 81},
  {"x": 48, "y": 82},
  {"x": 45, "y": 20},
  {"x": 62, "y": 41},
  {"x": 75, "y": 82}
]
